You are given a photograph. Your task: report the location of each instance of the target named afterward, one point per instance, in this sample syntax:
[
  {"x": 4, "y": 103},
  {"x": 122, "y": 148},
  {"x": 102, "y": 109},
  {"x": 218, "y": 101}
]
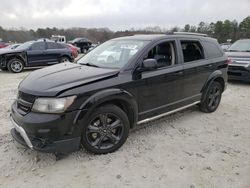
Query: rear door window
[
  {"x": 38, "y": 46},
  {"x": 52, "y": 45},
  {"x": 192, "y": 51}
]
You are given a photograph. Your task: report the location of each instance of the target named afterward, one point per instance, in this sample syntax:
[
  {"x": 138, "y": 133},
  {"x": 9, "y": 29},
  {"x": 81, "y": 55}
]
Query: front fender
[{"x": 106, "y": 96}]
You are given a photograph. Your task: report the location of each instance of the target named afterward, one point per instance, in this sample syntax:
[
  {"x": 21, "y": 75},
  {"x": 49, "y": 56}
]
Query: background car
[
  {"x": 82, "y": 43},
  {"x": 11, "y": 46},
  {"x": 239, "y": 53},
  {"x": 73, "y": 49},
  {"x": 3, "y": 44},
  {"x": 33, "y": 54},
  {"x": 225, "y": 46}
]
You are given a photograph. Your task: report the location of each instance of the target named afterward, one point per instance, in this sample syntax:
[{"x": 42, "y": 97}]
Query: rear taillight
[{"x": 229, "y": 61}]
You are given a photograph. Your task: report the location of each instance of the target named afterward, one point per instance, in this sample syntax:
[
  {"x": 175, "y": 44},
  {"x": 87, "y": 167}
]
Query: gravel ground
[{"x": 188, "y": 149}]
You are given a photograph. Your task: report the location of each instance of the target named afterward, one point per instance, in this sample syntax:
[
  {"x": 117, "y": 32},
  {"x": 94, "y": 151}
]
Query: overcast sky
[{"x": 118, "y": 14}]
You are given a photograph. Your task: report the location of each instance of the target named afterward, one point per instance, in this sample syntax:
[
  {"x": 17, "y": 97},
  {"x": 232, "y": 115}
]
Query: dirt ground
[{"x": 189, "y": 149}]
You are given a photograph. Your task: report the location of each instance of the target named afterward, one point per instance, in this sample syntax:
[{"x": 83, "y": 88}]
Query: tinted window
[
  {"x": 52, "y": 45},
  {"x": 212, "y": 50},
  {"x": 38, "y": 46},
  {"x": 62, "y": 45},
  {"x": 192, "y": 51},
  {"x": 163, "y": 53}
]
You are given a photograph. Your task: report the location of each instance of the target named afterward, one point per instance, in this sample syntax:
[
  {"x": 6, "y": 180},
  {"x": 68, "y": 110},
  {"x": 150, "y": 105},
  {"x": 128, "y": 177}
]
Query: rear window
[
  {"x": 212, "y": 50},
  {"x": 192, "y": 51}
]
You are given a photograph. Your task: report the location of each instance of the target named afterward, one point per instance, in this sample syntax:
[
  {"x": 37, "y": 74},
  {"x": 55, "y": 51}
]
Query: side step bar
[{"x": 167, "y": 113}]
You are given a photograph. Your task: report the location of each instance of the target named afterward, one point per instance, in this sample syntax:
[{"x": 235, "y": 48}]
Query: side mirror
[{"x": 149, "y": 64}]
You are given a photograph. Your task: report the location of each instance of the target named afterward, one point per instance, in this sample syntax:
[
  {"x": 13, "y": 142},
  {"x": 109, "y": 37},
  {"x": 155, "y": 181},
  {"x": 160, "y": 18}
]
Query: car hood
[
  {"x": 58, "y": 78},
  {"x": 8, "y": 51},
  {"x": 238, "y": 54}
]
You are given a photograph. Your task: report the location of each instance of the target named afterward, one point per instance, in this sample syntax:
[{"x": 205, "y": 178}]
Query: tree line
[{"x": 222, "y": 30}]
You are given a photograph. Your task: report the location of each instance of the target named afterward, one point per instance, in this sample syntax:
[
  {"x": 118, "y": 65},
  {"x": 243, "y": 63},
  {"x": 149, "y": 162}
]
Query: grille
[
  {"x": 236, "y": 68},
  {"x": 26, "y": 97},
  {"x": 25, "y": 102}
]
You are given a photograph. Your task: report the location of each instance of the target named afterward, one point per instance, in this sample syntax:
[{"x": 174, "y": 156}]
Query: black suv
[
  {"x": 33, "y": 54},
  {"x": 121, "y": 83},
  {"x": 82, "y": 43}
]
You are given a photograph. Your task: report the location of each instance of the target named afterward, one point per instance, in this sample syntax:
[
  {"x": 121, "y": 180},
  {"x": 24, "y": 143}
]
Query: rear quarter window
[{"x": 212, "y": 50}]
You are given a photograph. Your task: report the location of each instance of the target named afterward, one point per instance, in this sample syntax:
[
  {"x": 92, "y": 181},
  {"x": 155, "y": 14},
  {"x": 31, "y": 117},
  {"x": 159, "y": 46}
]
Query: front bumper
[
  {"x": 51, "y": 133},
  {"x": 240, "y": 73}
]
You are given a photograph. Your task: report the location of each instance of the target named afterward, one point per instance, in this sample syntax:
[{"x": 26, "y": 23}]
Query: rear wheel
[
  {"x": 83, "y": 50},
  {"x": 15, "y": 65},
  {"x": 212, "y": 98},
  {"x": 64, "y": 59},
  {"x": 106, "y": 130}
]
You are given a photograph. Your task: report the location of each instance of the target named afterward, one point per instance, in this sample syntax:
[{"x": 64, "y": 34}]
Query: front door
[{"x": 160, "y": 90}]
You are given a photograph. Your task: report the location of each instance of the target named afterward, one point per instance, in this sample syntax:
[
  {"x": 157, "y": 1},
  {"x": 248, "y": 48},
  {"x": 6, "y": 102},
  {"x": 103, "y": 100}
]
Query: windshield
[
  {"x": 113, "y": 54},
  {"x": 240, "y": 46},
  {"x": 25, "y": 45}
]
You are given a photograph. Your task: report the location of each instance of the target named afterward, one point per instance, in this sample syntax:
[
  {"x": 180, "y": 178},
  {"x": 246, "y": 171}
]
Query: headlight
[{"x": 52, "y": 105}]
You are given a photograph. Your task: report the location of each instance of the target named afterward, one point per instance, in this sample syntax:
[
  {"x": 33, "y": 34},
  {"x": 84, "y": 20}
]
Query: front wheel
[
  {"x": 106, "y": 130},
  {"x": 15, "y": 65},
  {"x": 212, "y": 98}
]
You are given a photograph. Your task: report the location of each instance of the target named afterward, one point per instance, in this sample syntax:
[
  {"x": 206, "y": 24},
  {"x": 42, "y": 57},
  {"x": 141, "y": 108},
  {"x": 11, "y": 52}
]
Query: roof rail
[{"x": 189, "y": 33}]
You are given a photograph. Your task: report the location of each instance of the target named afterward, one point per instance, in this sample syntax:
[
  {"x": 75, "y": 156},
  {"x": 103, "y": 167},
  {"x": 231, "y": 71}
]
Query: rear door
[
  {"x": 196, "y": 68},
  {"x": 36, "y": 54},
  {"x": 52, "y": 52}
]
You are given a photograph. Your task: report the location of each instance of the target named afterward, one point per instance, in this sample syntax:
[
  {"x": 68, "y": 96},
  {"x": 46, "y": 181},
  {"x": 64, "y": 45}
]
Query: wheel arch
[
  {"x": 21, "y": 57},
  {"x": 215, "y": 76},
  {"x": 118, "y": 97}
]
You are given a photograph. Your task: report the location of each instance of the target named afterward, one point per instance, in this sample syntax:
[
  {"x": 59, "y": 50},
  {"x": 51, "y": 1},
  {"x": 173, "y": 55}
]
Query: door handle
[
  {"x": 178, "y": 73},
  {"x": 209, "y": 66}
]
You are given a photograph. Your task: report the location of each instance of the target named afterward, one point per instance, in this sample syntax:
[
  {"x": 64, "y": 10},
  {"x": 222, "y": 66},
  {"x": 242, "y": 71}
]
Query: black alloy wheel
[
  {"x": 213, "y": 98},
  {"x": 106, "y": 130}
]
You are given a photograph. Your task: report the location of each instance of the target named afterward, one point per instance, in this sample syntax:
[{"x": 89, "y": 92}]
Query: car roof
[{"x": 156, "y": 37}]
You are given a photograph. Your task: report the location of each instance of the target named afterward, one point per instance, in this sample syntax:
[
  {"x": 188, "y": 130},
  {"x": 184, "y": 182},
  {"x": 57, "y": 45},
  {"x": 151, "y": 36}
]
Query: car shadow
[
  {"x": 237, "y": 82},
  {"x": 24, "y": 70}
]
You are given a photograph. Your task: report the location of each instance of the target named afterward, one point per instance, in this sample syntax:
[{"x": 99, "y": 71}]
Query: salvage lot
[{"x": 187, "y": 149}]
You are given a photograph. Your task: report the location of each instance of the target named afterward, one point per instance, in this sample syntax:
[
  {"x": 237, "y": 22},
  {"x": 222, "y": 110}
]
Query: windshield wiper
[{"x": 89, "y": 64}]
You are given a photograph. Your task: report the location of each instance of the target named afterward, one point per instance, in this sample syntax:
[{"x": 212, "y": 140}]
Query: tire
[
  {"x": 15, "y": 65},
  {"x": 83, "y": 50},
  {"x": 64, "y": 59},
  {"x": 212, "y": 97},
  {"x": 106, "y": 130}
]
